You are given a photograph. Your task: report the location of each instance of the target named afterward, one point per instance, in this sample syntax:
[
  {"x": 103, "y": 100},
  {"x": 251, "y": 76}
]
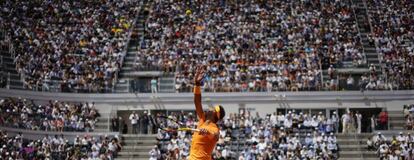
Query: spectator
[
  {"x": 134, "y": 118},
  {"x": 383, "y": 120},
  {"x": 155, "y": 153},
  {"x": 144, "y": 123},
  {"x": 346, "y": 120},
  {"x": 154, "y": 85},
  {"x": 358, "y": 120},
  {"x": 115, "y": 124}
]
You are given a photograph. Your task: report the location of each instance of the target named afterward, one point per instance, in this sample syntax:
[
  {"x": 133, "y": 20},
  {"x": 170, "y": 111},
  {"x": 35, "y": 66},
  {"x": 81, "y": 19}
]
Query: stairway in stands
[
  {"x": 361, "y": 11},
  {"x": 9, "y": 70},
  {"x": 167, "y": 83},
  {"x": 396, "y": 120},
  {"x": 353, "y": 147},
  {"x": 128, "y": 69},
  {"x": 102, "y": 125},
  {"x": 136, "y": 146}
]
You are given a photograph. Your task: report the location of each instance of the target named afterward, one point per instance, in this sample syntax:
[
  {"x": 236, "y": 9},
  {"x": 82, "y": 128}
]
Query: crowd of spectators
[
  {"x": 243, "y": 136},
  {"x": 409, "y": 116},
  {"x": 250, "y": 46},
  {"x": 395, "y": 148},
  {"x": 58, "y": 147},
  {"x": 75, "y": 45},
  {"x": 53, "y": 116},
  {"x": 393, "y": 32}
]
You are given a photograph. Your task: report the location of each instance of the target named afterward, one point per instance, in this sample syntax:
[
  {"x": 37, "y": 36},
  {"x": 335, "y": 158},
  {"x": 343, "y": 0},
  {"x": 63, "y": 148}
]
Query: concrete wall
[{"x": 263, "y": 102}]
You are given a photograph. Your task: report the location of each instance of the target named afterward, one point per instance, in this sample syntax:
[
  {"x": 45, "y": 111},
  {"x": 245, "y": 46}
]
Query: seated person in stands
[
  {"x": 379, "y": 139},
  {"x": 370, "y": 144},
  {"x": 383, "y": 150}
]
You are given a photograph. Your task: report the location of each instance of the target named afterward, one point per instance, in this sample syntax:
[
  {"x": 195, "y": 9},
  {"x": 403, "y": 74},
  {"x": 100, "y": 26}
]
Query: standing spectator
[
  {"x": 350, "y": 82},
  {"x": 358, "y": 119},
  {"x": 115, "y": 124},
  {"x": 121, "y": 125},
  {"x": 134, "y": 118},
  {"x": 154, "y": 85},
  {"x": 383, "y": 120},
  {"x": 150, "y": 124},
  {"x": 335, "y": 121},
  {"x": 144, "y": 123},
  {"x": 372, "y": 123},
  {"x": 345, "y": 122}
]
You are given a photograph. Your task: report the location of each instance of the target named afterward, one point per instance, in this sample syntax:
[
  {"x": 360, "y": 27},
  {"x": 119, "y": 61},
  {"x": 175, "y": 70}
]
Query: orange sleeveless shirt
[{"x": 202, "y": 146}]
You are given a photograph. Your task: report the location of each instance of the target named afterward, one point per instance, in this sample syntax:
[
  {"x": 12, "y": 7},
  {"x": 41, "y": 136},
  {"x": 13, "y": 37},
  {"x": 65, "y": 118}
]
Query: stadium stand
[
  {"x": 53, "y": 116},
  {"x": 58, "y": 147},
  {"x": 282, "y": 136},
  {"x": 393, "y": 34},
  {"x": 393, "y": 147},
  {"x": 242, "y": 56},
  {"x": 246, "y": 46},
  {"x": 70, "y": 46}
]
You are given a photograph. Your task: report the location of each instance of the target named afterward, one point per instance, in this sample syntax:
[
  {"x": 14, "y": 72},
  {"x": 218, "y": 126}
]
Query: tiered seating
[
  {"x": 393, "y": 34},
  {"x": 274, "y": 136},
  {"x": 58, "y": 147},
  {"x": 74, "y": 46},
  {"x": 250, "y": 46},
  {"x": 54, "y": 116},
  {"x": 395, "y": 147}
]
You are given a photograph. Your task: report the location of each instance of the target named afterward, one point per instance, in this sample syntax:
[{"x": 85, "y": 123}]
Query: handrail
[
  {"x": 380, "y": 57},
  {"x": 8, "y": 80},
  {"x": 359, "y": 31},
  {"x": 121, "y": 63}
]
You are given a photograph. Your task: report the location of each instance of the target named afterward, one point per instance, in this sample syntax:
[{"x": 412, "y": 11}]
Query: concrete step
[
  {"x": 397, "y": 118},
  {"x": 397, "y": 128},
  {"x": 131, "y": 158},
  {"x": 350, "y": 141},
  {"x": 357, "y": 154},
  {"x": 358, "y": 158},
  {"x": 101, "y": 130},
  {"x": 396, "y": 111},
  {"x": 139, "y": 136},
  {"x": 400, "y": 122},
  {"x": 137, "y": 148},
  {"x": 352, "y": 147},
  {"x": 133, "y": 155},
  {"x": 130, "y": 142}
]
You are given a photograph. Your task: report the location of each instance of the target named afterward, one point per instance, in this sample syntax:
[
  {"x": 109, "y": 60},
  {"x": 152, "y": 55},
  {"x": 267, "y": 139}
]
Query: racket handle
[{"x": 195, "y": 130}]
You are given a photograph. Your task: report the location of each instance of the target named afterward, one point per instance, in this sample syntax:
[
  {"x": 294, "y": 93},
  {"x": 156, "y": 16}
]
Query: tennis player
[{"x": 205, "y": 140}]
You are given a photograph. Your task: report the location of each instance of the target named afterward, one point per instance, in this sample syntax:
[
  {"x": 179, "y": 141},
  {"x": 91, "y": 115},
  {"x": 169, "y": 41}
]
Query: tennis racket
[{"x": 171, "y": 125}]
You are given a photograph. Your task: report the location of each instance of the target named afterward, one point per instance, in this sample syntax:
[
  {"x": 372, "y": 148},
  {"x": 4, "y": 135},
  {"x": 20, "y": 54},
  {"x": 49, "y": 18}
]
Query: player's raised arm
[{"x": 198, "y": 77}]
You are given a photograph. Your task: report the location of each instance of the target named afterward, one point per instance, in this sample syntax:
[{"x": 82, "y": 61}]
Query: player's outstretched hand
[{"x": 199, "y": 75}]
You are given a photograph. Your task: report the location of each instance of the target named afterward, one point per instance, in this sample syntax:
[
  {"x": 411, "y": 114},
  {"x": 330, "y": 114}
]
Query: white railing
[
  {"x": 124, "y": 52},
  {"x": 380, "y": 57},
  {"x": 359, "y": 32},
  {"x": 8, "y": 80}
]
